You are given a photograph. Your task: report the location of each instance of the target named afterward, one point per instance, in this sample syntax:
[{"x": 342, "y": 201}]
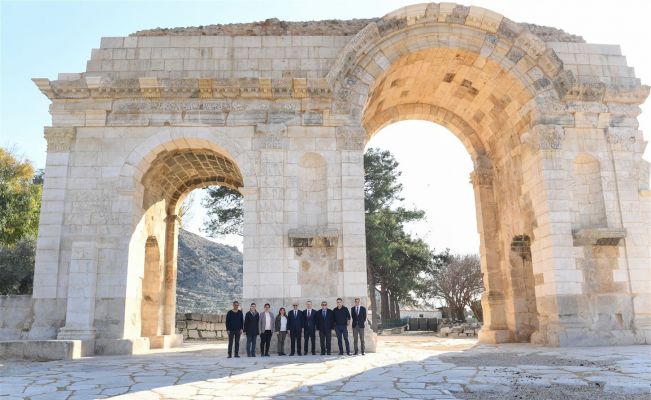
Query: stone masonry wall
[
  {"x": 16, "y": 316},
  {"x": 201, "y": 326}
]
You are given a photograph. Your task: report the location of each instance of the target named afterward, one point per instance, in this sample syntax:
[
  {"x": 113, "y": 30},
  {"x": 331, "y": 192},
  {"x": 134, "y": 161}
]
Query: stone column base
[
  {"x": 122, "y": 346},
  {"x": 489, "y": 336},
  {"x": 576, "y": 336},
  {"x": 44, "y": 350},
  {"x": 643, "y": 336},
  {"x": 86, "y": 336},
  {"x": 165, "y": 341},
  {"x": 71, "y": 333}
]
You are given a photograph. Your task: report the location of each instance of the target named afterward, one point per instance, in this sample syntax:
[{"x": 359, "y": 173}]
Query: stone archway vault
[{"x": 292, "y": 105}]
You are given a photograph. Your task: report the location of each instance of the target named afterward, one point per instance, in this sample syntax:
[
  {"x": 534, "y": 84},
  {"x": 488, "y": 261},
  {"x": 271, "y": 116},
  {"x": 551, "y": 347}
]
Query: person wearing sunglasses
[
  {"x": 325, "y": 322},
  {"x": 295, "y": 322}
]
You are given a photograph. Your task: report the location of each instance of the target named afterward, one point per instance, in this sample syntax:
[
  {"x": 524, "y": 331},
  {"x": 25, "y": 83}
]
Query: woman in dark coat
[{"x": 281, "y": 330}]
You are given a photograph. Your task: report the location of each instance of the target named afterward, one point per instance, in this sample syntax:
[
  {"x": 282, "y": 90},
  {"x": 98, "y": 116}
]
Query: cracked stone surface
[{"x": 405, "y": 367}]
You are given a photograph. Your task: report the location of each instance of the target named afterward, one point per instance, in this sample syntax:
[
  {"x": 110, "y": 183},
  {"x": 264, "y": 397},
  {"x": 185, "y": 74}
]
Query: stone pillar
[
  {"x": 353, "y": 224},
  {"x": 629, "y": 177},
  {"x": 495, "y": 329},
  {"x": 558, "y": 282},
  {"x": 82, "y": 278},
  {"x": 250, "y": 251},
  {"x": 49, "y": 300},
  {"x": 172, "y": 224}
]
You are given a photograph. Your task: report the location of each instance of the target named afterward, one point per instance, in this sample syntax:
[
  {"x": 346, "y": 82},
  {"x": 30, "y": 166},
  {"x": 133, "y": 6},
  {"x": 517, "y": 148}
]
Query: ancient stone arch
[{"x": 276, "y": 110}]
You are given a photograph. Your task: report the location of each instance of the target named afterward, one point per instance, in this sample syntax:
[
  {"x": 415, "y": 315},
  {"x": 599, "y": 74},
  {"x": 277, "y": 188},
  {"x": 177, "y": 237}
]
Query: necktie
[
  {"x": 294, "y": 313},
  {"x": 324, "y": 314}
]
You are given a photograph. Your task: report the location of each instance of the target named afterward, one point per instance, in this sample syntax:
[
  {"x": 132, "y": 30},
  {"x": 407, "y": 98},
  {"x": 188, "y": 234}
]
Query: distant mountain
[{"x": 209, "y": 275}]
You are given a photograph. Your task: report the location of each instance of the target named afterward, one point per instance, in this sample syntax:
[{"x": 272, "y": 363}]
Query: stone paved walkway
[{"x": 406, "y": 367}]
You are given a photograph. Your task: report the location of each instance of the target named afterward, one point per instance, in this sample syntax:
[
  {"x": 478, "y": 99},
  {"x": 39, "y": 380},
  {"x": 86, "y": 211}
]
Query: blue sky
[{"x": 41, "y": 39}]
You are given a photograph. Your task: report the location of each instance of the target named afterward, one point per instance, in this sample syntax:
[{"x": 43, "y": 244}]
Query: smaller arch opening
[{"x": 175, "y": 173}]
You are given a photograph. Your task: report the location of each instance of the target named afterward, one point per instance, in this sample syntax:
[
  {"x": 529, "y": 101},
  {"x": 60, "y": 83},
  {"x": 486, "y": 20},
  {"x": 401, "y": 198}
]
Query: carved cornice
[
  {"x": 622, "y": 139},
  {"x": 482, "y": 177},
  {"x": 59, "y": 139},
  {"x": 544, "y": 137},
  {"x": 313, "y": 237},
  {"x": 598, "y": 236},
  {"x": 607, "y": 93},
  {"x": 148, "y": 87}
]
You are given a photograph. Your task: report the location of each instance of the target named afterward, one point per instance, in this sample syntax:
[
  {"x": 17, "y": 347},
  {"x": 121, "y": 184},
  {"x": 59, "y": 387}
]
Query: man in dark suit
[
  {"x": 251, "y": 328},
  {"x": 309, "y": 328},
  {"x": 295, "y": 324},
  {"x": 234, "y": 327},
  {"x": 358, "y": 315},
  {"x": 325, "y": 323}
]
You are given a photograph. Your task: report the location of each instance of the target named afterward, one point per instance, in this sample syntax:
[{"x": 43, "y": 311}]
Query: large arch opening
[
  {"x": 487, "y": 108},
  {"x": 433, "y": 167},
  {"x": 171, "y": 175}
]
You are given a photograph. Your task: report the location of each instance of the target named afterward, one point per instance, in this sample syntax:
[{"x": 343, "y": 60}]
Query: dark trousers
[
  {"x": 358, "y": 333},
  {"x": 309, "y": 336},
  {"x": 250, "y": 345},
  {"x": 325, "y": 337},
  {"x": 265, "y": 341},
  {"x": 281, "y": 342},
  {"x": 295, "y": 337},
  {"x": 342, "y": 330},
  {"x": 233, "y": 336}
]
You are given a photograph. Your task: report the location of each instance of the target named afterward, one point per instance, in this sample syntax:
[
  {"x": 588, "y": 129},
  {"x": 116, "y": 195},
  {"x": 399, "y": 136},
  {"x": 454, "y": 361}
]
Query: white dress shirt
[{"x": 268, "y": 322}]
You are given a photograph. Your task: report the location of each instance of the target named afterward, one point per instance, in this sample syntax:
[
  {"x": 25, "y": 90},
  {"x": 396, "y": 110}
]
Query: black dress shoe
[
  {"x": 237, "y": 356},
  {"x": 229, "y": 356},
  {"x": 299, "y": 354},
  {"x": 355, "y": 354},
  {"x": 362, "y": 353},
  {"x": 313, "y": 353},
  {"x": 323, "y": 354},
  {"x": 347, "y": 354},
  {"x": 291, "y": 354},
  {"x": 341, "y": 354},
  {"x": 327, "y": 354}
]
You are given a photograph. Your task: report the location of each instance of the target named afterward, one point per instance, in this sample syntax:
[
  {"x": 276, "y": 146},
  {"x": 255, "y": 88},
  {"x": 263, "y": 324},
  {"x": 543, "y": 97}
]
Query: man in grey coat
[{"x": 266, "y": 325}]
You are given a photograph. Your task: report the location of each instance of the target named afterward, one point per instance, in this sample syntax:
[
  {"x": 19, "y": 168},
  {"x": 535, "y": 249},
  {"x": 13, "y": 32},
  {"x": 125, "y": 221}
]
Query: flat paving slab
[{"x": 408, "y": 366}]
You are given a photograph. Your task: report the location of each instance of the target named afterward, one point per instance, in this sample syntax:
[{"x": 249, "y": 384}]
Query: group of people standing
[{"x": 296, "y": 323}]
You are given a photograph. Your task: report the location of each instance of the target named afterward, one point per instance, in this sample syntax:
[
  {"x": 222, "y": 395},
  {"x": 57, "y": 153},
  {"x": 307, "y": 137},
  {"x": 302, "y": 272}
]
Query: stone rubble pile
[{"x": 469, "y": 329}]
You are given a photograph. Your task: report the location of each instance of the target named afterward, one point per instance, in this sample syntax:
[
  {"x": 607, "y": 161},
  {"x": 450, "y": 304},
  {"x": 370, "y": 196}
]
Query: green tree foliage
[
  {"x": 225, "y": 214},
  {"x": 381, "y": 186},
  {"x": 17, "y": 267},
  {"x": 20, "y": 198},
  {"x": 20, "y": 203},
  {"x": 395, "y": 260}
]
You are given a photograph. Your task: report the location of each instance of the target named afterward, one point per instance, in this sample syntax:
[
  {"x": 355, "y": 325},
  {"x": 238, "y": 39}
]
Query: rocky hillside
[{"x": 209, "y": 275}]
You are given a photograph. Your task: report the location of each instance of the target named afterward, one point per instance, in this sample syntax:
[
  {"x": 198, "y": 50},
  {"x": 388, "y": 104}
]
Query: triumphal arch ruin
[{"x": 281, "y": 111}]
